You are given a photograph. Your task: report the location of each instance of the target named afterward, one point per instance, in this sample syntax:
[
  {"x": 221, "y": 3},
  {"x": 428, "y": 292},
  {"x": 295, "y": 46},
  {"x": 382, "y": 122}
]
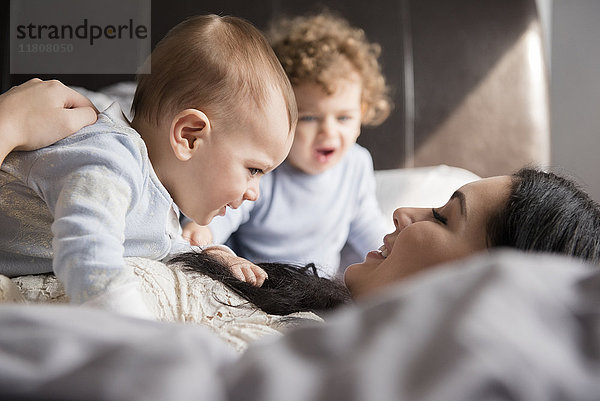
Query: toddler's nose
[{"x": 327, "y": 126}]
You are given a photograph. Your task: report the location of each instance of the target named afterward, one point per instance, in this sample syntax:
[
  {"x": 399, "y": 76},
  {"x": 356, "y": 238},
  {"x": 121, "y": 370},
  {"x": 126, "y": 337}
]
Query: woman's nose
[{"x": 403, "y": 217}]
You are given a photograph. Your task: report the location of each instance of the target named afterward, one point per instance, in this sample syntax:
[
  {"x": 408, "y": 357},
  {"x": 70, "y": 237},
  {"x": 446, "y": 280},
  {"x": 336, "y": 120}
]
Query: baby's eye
[
  {"x": 307, "y": 119},
  {"x": 439, "y": 217},
  {"x": 344, "y": 118},
  {"x": 254, "y": 171}
]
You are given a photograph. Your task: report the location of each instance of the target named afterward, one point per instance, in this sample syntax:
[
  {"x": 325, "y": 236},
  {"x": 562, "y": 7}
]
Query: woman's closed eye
[{"x": 439, "y": 217}]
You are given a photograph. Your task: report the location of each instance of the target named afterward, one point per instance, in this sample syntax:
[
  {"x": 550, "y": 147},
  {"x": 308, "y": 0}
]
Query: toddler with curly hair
[{"x": 322, "y": 197}]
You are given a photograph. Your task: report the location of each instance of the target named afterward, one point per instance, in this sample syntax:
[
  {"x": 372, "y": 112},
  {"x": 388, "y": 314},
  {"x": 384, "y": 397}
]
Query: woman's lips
[
  {"x": 375, "y": 255},
  {"x": 380, "y": 254}
]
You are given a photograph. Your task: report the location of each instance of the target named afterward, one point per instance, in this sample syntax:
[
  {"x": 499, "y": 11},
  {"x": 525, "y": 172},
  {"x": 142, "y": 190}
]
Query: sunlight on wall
[{"x": 511, "y": 98}]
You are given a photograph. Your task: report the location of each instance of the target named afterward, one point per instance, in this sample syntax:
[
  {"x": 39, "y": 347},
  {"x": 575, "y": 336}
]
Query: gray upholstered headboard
[
  {"x": 469, "y": 77},
  {"x": 474, "y": 88},
  {"x": 481, "y": 85}
]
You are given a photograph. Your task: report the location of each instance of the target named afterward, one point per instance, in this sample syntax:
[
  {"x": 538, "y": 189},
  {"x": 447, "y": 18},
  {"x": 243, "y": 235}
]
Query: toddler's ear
[
  {"x": 364, "y": 107},
  {"x": 188, "y": 128}
]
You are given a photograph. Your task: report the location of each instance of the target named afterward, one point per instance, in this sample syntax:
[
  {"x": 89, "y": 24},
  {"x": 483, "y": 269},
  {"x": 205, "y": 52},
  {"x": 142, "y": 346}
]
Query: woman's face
[{"x": 426, "y": 237}]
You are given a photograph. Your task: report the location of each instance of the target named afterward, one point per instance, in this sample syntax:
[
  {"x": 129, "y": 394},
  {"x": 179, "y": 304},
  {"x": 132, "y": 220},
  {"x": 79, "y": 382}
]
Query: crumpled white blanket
[
  {"x": 498, "y": 326},
  {"x": 173, "y": 295}
]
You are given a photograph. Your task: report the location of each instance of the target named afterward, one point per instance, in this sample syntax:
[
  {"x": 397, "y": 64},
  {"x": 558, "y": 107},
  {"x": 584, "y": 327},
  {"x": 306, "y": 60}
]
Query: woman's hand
[{"x": 38, "y": 113}]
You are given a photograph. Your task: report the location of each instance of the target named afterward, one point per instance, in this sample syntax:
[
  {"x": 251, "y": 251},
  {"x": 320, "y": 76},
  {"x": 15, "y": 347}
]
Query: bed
[{"x": 497, "y": 326}]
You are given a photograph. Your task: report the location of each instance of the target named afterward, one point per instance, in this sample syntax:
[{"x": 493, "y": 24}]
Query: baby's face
[
  {"x": 232, "y": 162},
  {"x": 328, "y": 125}
]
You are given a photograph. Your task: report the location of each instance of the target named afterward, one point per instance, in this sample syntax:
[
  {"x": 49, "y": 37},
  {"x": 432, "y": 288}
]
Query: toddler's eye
[
  {"x": 254, "y": 171},
  {"x": 439, "y": 217},
  {"x": 307, "y": 118},
  {"x": 344, "y": 118}
]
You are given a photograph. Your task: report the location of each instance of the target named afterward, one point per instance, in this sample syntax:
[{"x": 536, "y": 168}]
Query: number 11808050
[{"x": 45, "y": 48}]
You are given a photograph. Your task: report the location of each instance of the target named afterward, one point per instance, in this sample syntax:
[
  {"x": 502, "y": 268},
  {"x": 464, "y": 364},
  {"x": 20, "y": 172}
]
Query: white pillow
[{"x": 418, "y": 187}]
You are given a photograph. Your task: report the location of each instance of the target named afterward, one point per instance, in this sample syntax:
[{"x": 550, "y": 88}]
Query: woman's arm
[{"x": 38, "y": 113}]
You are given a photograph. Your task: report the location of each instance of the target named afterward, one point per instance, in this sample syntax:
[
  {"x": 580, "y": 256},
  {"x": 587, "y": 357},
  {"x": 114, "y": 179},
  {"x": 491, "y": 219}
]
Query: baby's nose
[{"x": 252, "y": 193}]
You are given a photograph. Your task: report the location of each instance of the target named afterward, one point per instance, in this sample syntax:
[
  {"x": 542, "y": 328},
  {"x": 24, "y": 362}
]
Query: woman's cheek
[{"x": 419, "y": 250}]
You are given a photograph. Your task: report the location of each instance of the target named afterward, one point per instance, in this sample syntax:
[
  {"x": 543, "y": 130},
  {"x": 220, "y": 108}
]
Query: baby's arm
[
  {"x": 241, "y": 268},
  {"x": 38, "y": 113},
  {"x": 201, "y": 236},
  {"x": 89, "y": 198},
  {"x": 196, "y": 234}
]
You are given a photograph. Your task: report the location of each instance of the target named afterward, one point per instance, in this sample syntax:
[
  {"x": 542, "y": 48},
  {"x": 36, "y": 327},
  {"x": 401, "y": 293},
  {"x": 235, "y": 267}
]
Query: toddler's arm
[
  {"x": 38, "y": 113},
  {"x": 196, "y": 234},
  {"x": 241, "y": 268},
  {"x": 368, "y": 225}
]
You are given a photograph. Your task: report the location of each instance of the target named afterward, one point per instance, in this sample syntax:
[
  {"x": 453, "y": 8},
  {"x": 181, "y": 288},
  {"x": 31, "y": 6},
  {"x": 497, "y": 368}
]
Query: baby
[
  {"x": 323, "y": 196},
  {"x": 216, "y": 113}
]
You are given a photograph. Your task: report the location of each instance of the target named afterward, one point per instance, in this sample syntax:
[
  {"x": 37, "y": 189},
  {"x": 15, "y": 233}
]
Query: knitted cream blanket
[{"x": 173, "y": 295}]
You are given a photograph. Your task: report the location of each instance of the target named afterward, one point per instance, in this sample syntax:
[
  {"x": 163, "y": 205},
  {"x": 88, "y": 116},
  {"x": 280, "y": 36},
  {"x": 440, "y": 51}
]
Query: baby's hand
[
  {"x": 196, "y": 234},
  {"x": 241, "y": 268}
]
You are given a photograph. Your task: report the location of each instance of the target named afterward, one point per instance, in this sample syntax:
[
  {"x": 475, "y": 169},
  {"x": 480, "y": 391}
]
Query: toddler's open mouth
[{"x": 324, "y": 154}]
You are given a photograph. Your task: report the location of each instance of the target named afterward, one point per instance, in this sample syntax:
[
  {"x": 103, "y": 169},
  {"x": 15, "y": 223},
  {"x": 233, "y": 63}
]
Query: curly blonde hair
[{"x": 323, "y": 48}]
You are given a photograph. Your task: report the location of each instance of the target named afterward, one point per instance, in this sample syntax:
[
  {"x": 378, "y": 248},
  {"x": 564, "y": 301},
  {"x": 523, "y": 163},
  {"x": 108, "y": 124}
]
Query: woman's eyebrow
[{"x": 463, "y": 204}]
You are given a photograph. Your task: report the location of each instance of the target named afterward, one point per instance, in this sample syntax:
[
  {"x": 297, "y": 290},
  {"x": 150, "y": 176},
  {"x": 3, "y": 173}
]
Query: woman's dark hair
[
  {"x": 288, "y": 289},
  {"x": 547, "y": 213}
]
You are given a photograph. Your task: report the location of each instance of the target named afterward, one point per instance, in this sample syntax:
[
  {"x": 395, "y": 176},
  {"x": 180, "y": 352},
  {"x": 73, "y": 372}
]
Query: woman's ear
[{"x": 188, "y": 129}]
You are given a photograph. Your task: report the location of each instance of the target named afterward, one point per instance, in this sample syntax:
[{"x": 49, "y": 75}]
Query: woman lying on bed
[{"x": 531, "y": 210}]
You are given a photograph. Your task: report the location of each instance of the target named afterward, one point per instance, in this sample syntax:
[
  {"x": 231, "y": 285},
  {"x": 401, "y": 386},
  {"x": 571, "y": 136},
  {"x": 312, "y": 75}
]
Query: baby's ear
[{"x": 188, "y": 129}]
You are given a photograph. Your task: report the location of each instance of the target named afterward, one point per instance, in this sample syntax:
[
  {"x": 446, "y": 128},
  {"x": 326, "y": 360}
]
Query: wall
[
  {"x": 575, "y": 90},
  {"x": 456, "y": 68}
]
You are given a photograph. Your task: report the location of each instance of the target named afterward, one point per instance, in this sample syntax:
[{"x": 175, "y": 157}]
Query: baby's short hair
[
  {"x": 321, "y": 48},
  {"x": 211, "y": 63}
]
